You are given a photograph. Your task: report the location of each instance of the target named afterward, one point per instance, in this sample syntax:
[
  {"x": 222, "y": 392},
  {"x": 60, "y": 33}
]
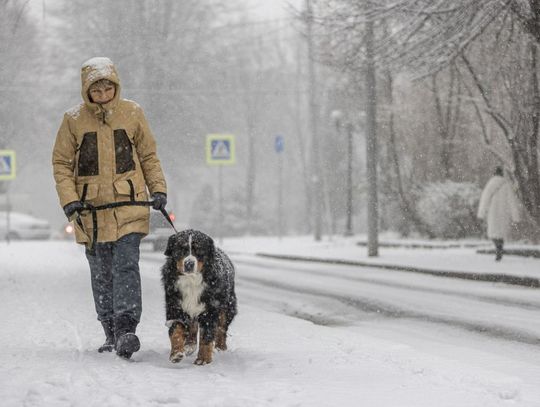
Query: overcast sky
[
  {"x": 272, "y": 8},
  {"x": 261, "y": 8}
]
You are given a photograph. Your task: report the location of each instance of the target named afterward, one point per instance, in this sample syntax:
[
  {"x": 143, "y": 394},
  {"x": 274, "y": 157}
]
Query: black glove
[
  {"x": 72, "y": 207},
  {"x": 160, "y": 201}
]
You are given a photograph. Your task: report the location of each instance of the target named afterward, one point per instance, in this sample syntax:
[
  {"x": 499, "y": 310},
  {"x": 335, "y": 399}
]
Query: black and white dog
[{"x": 198, "y": 279}]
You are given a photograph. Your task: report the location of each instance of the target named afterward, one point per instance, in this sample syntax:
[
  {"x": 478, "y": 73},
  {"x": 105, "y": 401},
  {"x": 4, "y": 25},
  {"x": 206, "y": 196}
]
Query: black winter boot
[
  {"x": 499, "y": 249},
  {"x": 108, "y": 328},
  {"x": 127, "y": 342}
]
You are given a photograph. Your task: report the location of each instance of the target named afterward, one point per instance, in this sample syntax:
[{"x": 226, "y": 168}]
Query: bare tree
[
  {"x": 489, "y": 48},
  {"x": 395, "y": 179},
  {"x": 448, "y": 113},
  {"x": 19, "y": 53},
  {"x": 435, "y": 34}
]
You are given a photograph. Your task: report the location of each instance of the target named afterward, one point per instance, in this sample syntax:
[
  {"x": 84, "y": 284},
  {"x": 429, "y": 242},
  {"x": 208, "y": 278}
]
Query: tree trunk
[
  {"x": 407, "y": 208},
  {"x": 300, "y": 78},
  {"x": 529, "y": 177},
  {"x": 447, "y": 109}
]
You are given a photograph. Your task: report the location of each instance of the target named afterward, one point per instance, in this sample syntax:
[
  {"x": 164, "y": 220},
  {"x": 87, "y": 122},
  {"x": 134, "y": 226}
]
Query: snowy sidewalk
[
  {"x": 449, "y": 259},
  {"x": 414, "y": 345}
]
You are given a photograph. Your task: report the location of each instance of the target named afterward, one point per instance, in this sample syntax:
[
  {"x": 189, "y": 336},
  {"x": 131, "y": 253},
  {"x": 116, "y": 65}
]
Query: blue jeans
[{"x": 116, "y": 282}]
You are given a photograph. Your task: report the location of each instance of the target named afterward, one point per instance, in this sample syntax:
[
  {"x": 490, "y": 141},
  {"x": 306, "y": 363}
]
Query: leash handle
[
  {"x": 166, "y": 215},
  {"x": 94, "y": 209}
]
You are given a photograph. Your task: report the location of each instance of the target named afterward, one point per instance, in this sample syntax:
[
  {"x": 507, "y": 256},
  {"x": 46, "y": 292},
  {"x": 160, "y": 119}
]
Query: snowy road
[
  {"x": 306, "y": 335},
  {"x": 495, "y": 310}
]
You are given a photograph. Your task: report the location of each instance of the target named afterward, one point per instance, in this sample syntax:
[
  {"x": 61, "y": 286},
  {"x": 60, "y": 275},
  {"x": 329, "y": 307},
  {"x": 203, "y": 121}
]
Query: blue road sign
[
  {"x": 7, "y": 164},
  {"x": 279, "y": 144},
  {"x": 220, "y": 149}
]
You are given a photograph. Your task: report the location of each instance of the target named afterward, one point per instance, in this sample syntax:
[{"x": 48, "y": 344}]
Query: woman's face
[{"x": 102, "y": 94}]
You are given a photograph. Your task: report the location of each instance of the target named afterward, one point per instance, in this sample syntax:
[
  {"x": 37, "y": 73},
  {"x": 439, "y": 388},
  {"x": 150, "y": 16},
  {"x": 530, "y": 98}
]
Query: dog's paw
[
  {"x": 190, "y": 348},
  {"x": 176, "y": 357},
  {"x": 221, "y": 342},
  {"x": 204, "y": 356},
  {"x": 221, "y": 346},
  {"x": 201, "y": 361}
]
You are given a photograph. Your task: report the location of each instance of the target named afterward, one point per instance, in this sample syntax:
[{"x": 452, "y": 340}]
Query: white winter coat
[{"x": 499, "y": 206}]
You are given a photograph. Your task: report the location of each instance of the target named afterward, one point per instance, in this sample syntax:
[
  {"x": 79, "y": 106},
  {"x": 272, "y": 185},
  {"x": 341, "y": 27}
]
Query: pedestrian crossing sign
[
  {"x": 7, "y": 165},
  {"x": 220, "y": 149}
]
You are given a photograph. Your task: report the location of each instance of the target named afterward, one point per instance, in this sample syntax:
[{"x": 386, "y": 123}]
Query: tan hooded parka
[{"x": 103, "y": 154}]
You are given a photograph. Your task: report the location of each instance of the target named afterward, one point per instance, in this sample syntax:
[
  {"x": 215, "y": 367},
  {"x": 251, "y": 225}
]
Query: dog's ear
[
  {"x": 170, "y": 245},
  {"x": 211, "y": 248}
]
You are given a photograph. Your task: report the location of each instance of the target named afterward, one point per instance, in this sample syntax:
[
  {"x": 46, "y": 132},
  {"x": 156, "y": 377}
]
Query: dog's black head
[{"x": 190, "y": 249}]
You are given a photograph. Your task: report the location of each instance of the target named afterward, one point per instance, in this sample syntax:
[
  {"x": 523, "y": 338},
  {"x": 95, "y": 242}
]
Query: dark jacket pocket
[
  {"x": 123, "y": 152},
  {"x": 88, "y": 164}
]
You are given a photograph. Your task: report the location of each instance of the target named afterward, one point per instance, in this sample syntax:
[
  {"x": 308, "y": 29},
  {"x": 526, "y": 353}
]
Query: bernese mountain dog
[{"x": 198, "y": 279}]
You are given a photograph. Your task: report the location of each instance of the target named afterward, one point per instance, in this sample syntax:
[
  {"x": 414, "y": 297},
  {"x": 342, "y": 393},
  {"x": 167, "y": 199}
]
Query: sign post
[
  {"x": 220, "y": 151},
  {"x": 7, "y": 173},
  {"x": 279, "y": 146}
]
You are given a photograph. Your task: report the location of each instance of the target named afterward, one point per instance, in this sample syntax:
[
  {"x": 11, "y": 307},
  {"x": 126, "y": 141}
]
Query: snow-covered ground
[{"x": 307, "y": 334}]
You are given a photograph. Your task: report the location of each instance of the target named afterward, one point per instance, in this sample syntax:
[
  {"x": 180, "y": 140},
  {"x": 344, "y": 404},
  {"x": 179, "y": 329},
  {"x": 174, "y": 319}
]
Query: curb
[
  {"x": 440, "y": 246},
  {"x": 513, "y": 252},
  {"x": 530, "y": 282}
]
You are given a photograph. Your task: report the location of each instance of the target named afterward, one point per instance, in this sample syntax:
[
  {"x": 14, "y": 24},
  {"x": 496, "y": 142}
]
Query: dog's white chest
[{"x": 191, "y": 286}]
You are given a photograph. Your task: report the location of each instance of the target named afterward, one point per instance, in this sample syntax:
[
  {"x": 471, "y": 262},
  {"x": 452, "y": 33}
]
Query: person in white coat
[{"x": 499, "y": 206}]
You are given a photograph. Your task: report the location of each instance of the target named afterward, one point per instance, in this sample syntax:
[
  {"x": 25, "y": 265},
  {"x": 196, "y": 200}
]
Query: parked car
[
  {"x": 23, "y": 226},
  {"x": 160, "y": 230}
]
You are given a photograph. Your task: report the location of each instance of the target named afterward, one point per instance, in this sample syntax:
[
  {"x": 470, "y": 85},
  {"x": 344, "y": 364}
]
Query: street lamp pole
[
  {"x": 371, "y": 140},
  {"x": 349, "y": 226},
  {"x": 313, "y": 111},
  {"x": 340, "y": 123}
]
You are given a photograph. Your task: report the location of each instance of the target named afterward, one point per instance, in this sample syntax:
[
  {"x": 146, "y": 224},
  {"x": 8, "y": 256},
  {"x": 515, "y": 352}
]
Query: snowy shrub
[{"x": 449, "y": 209}]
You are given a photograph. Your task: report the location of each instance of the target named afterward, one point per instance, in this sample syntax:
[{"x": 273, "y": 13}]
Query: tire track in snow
[
  {"x": 527, "y": 305},
  {"x": 376, "y": 307}
]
